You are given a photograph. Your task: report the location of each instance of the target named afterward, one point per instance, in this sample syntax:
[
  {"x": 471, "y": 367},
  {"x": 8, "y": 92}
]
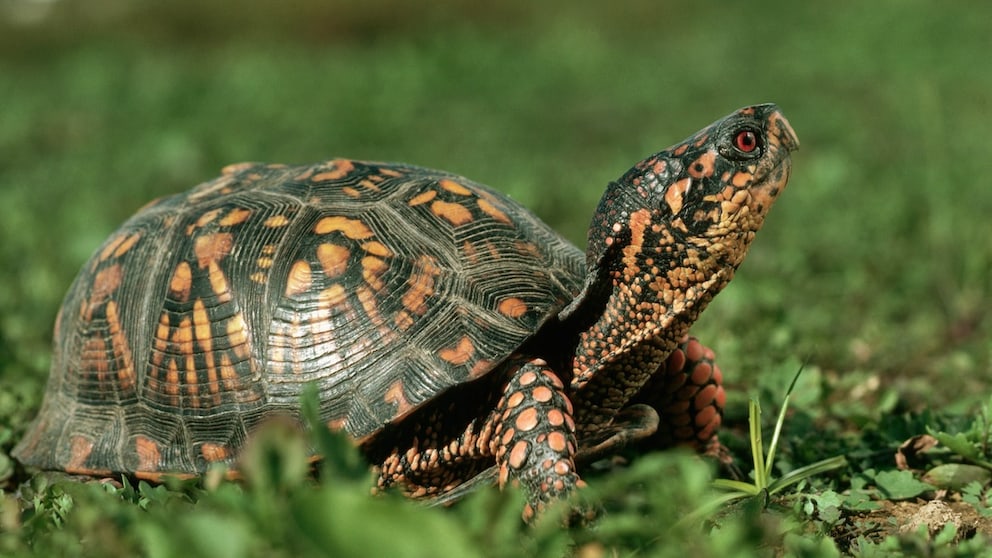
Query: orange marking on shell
[
  {"x": 369, "y": 303},
  {"x": 80, "y": 450},
  {"x": 680, "y": 150},
  {"x": 555, "y": 417},
  {"x": 299, "y": 279},
  {"x": 421, "y": 285},
  {"x": 526, "y": 420},
  {"x": 454, "y": 187},
  {"x": 403, "y": 320},
  {"x": 201, "y": 328},
  {"x": 213, "y": 453},
  {"x": 172, "y": 383},
  {"x": 235, "y": 217},
  {"x": 228, "y": 375},
  {"x": 333, "y": 296},
  {"x": 422, "y": 198},
  {"x": 480, "y": 367},
  {"x": 372, "y": 269},
  {"x": 396, "y": 396},
  {"x": 276, "y": 221},
  {"x": 182, "y": 282},
  {"x": 674, "y": 195},
  {"x": 337, "y": 424},
  {"x": 377, "y": 248},
  {"x": 148, "y": 453},
  {"x": 237, "y": 336},
  {"x": 542, "y": 394},
  {"x": 264, "y": 262},
  {"x": 518, "y": 455},
  {"x": 259, "y": 277},
  {"x": 333, "y": 258},
  {"x": 557, "y": 442},
  {"x": 515, "y": 398},
  {"x": 351, "y": 192},
  {"x": 122, "y": 353},
  {"x": 235, "y": 168},
  {"x": 127, "y": 244},
  {"x": 218, "y": 282},
  {"x": 454, "y": 213},
  {"x": 352, "y": 228},
  {"x": 204, "y": 219},
  {"x": 340, "y": 168},
  {"x": 460, "y": 353},
  {"x": 107, "y": 281},
  {"x": 491, "y": 210},
  {"x": 212, "y": 247},
  {"x": 512, "y": 307}
]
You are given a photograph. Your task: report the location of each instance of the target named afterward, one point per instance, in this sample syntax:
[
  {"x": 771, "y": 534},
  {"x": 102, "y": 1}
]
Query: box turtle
[{"x": 448, "y": 330}]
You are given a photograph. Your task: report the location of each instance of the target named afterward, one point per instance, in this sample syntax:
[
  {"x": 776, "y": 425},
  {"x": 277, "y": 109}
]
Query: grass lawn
[{"x": 874, "y": 269}]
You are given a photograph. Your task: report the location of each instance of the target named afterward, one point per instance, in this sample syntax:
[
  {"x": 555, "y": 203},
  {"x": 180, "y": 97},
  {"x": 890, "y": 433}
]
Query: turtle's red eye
[{"x": 746, "y": 141}]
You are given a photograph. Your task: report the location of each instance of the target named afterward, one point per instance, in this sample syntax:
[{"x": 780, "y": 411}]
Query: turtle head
[
  {"x": 711, "y": 191},
  {"x": 673, "y": 229}
]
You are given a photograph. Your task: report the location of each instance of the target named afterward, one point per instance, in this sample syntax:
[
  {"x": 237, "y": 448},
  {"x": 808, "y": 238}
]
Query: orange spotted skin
[{"x": 448, "y": 330}]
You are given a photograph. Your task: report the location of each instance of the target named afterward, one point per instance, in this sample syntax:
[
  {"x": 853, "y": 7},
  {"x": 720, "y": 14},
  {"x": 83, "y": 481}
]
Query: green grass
[{"x": 874, "y": 267}]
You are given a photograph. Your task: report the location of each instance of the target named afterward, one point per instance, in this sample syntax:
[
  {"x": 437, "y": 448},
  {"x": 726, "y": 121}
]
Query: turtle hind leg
[{"x": 687, "y": 391}]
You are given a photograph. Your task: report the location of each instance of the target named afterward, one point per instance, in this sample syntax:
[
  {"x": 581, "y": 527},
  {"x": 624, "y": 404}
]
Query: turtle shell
[{"x": 208, "y": 312}]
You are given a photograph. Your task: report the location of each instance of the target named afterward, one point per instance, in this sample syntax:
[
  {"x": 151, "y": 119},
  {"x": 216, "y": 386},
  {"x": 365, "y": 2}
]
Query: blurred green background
[{"x": 875, "y": 265}]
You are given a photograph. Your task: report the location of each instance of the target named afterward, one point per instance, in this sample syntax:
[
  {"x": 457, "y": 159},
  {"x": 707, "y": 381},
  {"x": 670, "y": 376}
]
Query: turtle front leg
[
  {"x": 534, "y": 436},
  {"x": 687, "y": 391}
]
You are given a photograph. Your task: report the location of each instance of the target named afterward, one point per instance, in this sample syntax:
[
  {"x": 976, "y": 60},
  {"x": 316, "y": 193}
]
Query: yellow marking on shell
[
  {"x": 512, "y": 307},
  {"x": 352, "y": 228},
  {"x": 422, "y": 198},
  {"x": 333, "y": 258},
  {"x": 396, "y": 396},
  {"x": 351, "y": 192},
  {"x": 674, "y": 196},
  {"x": 107, "y": 281},
  {"x": 148, "y": 453},
  {"x": 377, "y": 249},
  {"x": 372, "y": 270},
  {"x": 259, "y": 277},
  {"x": 201, "y": 329},
  {"x": 455, "y": 213},
  {"x": 340, "y": 168},
  {"x": 276, "y": 221},
  {"x": 122, "y": 353},
  {"x": 192, "y": 388},
  {"x": 299, "y": 279},
  {"x": 491, "y": 210},
  {"x": 212, "y": 453},
  {"x": 454, "y": 187},
  {"x": 212, "y": 247},
  {"x": 182, "y": 282},
  {"x": 459, "y": 354},
  {"x": 235, "y": 217},
  {"x": 80, "y": 448},
  {"x": 390, "y": 172},
  {"x": 264, "y": 262}
]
